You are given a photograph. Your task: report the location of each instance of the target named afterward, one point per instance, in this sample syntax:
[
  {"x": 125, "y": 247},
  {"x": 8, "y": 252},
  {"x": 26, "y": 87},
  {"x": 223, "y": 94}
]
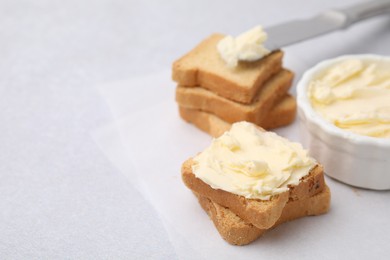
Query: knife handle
[{"x": 365, "y": 10}]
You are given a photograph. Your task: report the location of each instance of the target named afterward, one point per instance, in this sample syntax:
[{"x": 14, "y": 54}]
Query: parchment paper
[{"x": 155, "y": 141}]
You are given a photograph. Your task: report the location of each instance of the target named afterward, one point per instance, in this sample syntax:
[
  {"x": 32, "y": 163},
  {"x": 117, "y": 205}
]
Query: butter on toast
[
  {"x": 261, "y": 213},
  {"x": 203, "y": 67}
]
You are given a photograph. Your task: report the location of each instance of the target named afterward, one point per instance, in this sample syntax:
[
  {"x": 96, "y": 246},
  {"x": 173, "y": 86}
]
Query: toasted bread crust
[
  {"x": 238, "y": 232},
  {"x": 283, "y": 113},
  {"x": 206, "y": 122},
  {"x": 203, "y": 66},
  {"x": 201, "y": 99},
  {"x": 261, "y": 213}
]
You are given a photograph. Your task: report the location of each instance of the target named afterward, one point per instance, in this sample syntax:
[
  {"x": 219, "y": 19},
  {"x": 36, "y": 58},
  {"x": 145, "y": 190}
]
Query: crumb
[{"x": 356, "y": 191}]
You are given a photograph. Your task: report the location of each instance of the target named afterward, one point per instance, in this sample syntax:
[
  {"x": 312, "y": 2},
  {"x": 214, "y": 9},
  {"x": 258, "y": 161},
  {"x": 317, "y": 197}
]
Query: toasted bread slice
[
  {"x": 283, "y": 113},
  {"x": 236, "y": 231},
  {"x": 205, "y": 100},
  {"x": 204, "y": 67},
  {"x": 261, "y": 213}
]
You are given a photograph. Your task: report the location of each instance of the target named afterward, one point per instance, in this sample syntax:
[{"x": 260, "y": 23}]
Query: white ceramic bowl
[{"x": 354, "y": 159}]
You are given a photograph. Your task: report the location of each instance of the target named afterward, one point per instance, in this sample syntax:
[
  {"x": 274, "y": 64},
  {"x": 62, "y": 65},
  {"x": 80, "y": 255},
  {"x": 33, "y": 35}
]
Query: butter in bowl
[{"x": 344, "y": 113}]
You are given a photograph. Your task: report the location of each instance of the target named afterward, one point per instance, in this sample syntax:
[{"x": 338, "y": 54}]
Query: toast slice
[
  {"x": 283, "y": 113},
  {"x": 203, "y": 66},
  {"x": 201, "y": 99},
  {"x": 236, "y": 231},
  {"x": 261, "y": 213}
]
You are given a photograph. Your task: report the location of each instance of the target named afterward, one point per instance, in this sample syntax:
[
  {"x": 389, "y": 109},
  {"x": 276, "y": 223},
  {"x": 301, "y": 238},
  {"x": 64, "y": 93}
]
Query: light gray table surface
[{"x": 60, "y": 198}]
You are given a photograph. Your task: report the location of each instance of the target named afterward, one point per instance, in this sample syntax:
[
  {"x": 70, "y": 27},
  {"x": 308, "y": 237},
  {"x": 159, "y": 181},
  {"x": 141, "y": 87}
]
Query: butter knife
[{"x": 295, "y": 31}]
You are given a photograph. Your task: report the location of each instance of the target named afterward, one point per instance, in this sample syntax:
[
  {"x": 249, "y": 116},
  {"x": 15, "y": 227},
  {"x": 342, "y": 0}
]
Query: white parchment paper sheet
[{"x": 156, "y": 141}]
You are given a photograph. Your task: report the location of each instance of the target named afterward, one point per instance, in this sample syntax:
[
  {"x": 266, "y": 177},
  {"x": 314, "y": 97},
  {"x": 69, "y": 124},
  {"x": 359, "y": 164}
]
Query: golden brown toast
[
  {"x": 205, "y": 100},
  {"x": 236, "y": 231},
  {"x": 203, "y": 67},
  {"x": 283, "y": 113},
  {"x": 261, "y": 213}
]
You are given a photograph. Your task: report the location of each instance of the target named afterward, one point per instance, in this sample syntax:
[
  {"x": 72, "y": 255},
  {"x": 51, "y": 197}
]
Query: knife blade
[{"x": 288, "y": 33}]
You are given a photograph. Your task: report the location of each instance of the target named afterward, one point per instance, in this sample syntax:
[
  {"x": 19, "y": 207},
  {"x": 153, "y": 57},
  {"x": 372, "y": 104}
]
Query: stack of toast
[
  {"x": 212, "y": 95},
  {"x": 240, "y": 221}
]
